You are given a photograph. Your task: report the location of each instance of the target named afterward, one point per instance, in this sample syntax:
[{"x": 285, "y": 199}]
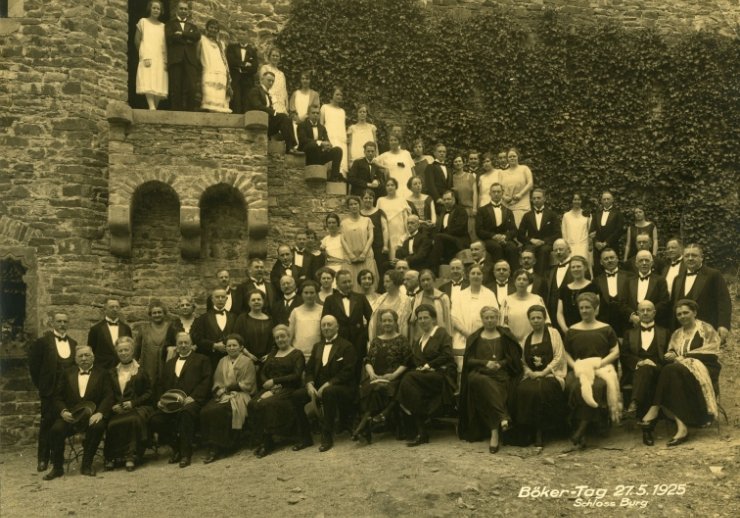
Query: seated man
[
  {"x": 452, "y": 231},
  {"x": 457, "y": 280},
  {"x": 189, "y": 372},
  {"x": 539, "y": 229},
  {"x": 259, "y": 99},
  {"x": 84, "y": 383},
  {"x": 364, "y": 174},
  {"x": 416, "y": 249},
  {"x": 495, "y": 226},
  {"x": 314, "y": 141},
  {"x": 411, "y": 284}
]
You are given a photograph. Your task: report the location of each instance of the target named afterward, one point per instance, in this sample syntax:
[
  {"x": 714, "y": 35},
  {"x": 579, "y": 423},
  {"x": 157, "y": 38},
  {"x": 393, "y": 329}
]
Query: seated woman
[
  {"x": 515, "y": 309},
  {"x": 304, "y": 319},
  {"x": 431, "y": 379},
  {"x": 325, "y": 278},
  {"x": 430, "y": 295},
  {"x": 391, "y": 299},
  {"x": 127, "y": 432},
  {"x": 255, "y": 327},
  {"x": 270, "y": 410},
  {"x": 421, "y": 204},
  {"x": 384, "y": 365},
  {"x": 491, "y": 368},
  {"x": 568, "y": 313},
  {"x": 540, "y": 400},
  {"x": 234, "y": 382},
  {"x": 594, "y": 344},
  {"x": 689, "y": 382}
]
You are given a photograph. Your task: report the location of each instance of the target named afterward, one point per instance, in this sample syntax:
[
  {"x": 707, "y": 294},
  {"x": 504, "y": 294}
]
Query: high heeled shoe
[
  {"x": 361, "y": 429},
  {"x": 675, "y": 441}
]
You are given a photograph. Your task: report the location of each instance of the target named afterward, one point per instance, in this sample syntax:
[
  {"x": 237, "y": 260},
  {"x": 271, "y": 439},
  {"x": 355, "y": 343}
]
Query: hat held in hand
[
  {"x": 82, "y": 410},
  {"x": 172, "y": 401}
]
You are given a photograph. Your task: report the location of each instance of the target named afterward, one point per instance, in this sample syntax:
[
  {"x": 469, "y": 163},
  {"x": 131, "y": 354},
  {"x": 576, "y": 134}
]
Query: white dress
[
  {"x": 152, "y": 79},
  {"x": 484, "y": 186},
  {"x": 305, "y": 328},
  {"x": 575, "y": 232},
  {"x": 396, "y": 212},
  {"x": 399, "y": 166},
  {"x": 466, "y": 316},
  {"x": 334, "y": 118},
  {"x": 335, "y": 258},
  {"x": 514, "y": 314},
  {"x": 279, "y": 90},
  {"x": 361, "y": 135},
  {"x": 215, "y": 76}
]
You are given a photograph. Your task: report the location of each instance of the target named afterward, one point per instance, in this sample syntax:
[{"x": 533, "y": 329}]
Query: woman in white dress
[
  {"x": 331, "y": 244},
  {"x": 575, "y": 230},
  {"x": 360, "y": 134},
  {"x": 151, "y": 75},
  {"x": 303, "y": 98},
  {"x": 279, "y": 89},
  {"x": 391, "y": 299},
  {"x": 488, "y": 177},
  {"x": 396, "y": 210},
  {"x": 335, "y": 120},
  {"x": 516, "y": 305},
  {"x": 518, "y": 182},
  {"x": 399, "y": 164},
  {"x": 304, "y": 321},
  {"x": 215, "y": 79},
  {"x": 357, "y": 240}
]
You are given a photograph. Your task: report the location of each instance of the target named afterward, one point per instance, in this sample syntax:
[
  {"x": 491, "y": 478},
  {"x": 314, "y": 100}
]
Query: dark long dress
[
  {"x": 127, "y": 433},
  {"x": 570, "y": 306},
  {"x": 634, "y": 230},
  {"x": 257, "y": 334},
  {"x": 381, "y": 259},
  {"x": 581, "y": 344},
  {"x": 485, "y": 394},
  {"x": 385, "y": 356},
  {"x": 274, "y": 415}
]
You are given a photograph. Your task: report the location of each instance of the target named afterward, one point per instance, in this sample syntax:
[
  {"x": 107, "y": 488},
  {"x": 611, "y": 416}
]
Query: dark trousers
[
  {"x": 317, "y": 156},
  {"x": 335, "y": 398},
  {"x": 445, "y": 248},
  {"x": 503, "y": 250},
  {"x": 542, "y": 253},
  {"x": 177, "y": 429},
  {"x": 644, "y": 382},
  {"x": 48, "y": 417},
  {"x": 240, "y": 85},
  {"x": 183, "y": 84},
  {"x": 282, "y": 124},
  {"x": 61, "y": 429}
]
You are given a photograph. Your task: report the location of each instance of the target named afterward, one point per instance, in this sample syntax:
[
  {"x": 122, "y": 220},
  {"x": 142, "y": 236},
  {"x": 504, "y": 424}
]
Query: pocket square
[{"x": 340, "y": 359}]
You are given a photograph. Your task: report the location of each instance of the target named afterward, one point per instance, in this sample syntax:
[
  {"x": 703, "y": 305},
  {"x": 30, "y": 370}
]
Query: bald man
[
  {"x": 210, "y": 330},
  {"x": 416, "y": 249},
  {"x": 648, "y": 285}
]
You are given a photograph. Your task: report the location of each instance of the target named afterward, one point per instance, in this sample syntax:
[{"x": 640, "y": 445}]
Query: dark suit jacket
[
  {"x": 549, "y": 228},
  {"x": 354, "y": 326},
  {"x": 631, "y": 351},
  {"x": 139, "y": 389},
  {"x": 181, "y": 47},
  {"x": 457, "y": 225},
  {"x": 485, "y": 223},
  {"x": 205, "y": 333},
  {"x": 270, "y": 294},
  {"x": 278, "y": 270},
  {"x": 99, "y": 390},
  {"x": 194, "y": 380},
  {"x": 311, "y": 264},
  {"x": 614, "y": 311},
  {"x": 305, "y": 135},
  {"x": 510, "y": 288},
  {"x": 667, "y": 266},
  {"x": 102, "y": 344},
  {"x": 539, "y": 286},
  {"x": 238, "y": 304},
  {"x": 437, "y": 354},
  {"x": 237, "y": 66},
  {"x": 446, "y": 287},
  {"x": 612, "y": 231},
  {"x": 362, "y": 173},
  {"x": 657, "y": 293},
  {"x": 553, "y": 292},
  {"x": 42, "y": 362},
  {"x": 421, "y": 258},
  {"x": 434, "y": 181},
  {"x": 280, "y": 313},
  {"x": 709, "y": 292},
  {"x": 257, "y": 101},
  {"x": 339, "y": 370}
]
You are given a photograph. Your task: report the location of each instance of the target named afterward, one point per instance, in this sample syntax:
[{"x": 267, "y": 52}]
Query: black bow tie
[
  {"x": 647, "y": 328},
  {"x": 344, "y": 296},
  {"x": 288, "y": 301},
  {"x": 606, "y": 210},
  {"x": 258, "y": 283},
  {"x": 84, "y": 373},
  {"x": 112, "y": 323},
  {"x": 538, "y": 211},
  {"x": 61, "y": 338},
  {"x": 691, "y": 274},
  {"x": 221, "y": 312},
  {"x": 645, "y": 278},
  {"x": 676, "y": 263},
  {"x": 329, "y": 342},
  {"x": 496, "y": 205},
  {"x": 563, "y": 265},
  {"x": 457, "y": 283},
  {"x": 501, "y": 285},
  {"x": 299, "y": 252},
  {"x": 611, "y": 274}
]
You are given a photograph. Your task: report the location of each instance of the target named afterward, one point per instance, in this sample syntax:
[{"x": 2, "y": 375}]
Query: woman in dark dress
[
  {"x": 540, "y": 400},
  {"x": 384, "y": 365},
  {"x": 689, "y": 382},
  {"x": 127, "y": 431},
  {"x": 431, "y": 380},
  {"x": 588, "y": 338},
  {"x": 568, "y": 313},
  {"x": 491, "y": 368},
  {"x": 369, "y": 210},
  {"x": 270, "y": 411},
  {"x": 255, "y": 328}
]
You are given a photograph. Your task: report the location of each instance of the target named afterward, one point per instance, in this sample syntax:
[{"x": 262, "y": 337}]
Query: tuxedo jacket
[
  {"x": 281, "y": 312},
  {"x": 709, "y": 292},
  {"x": 362, "y": 173},
  {"x": 339, "y": 370},
  {"x": 657, "y": 293},
  {"x": 615, "y": 311},
  {"x": 195, "y": 377},
  {"x": 510, "y": 288},
  {"x": 486, "y": 225},
  {"x": 457, "y": 225},
  {"x": 205, "y": 333},
  {"x": 100, "y": 340},
  {"x": 238, "y": 66},
  {"x": 631, "y": 351},
  {"x": 553, "y": 290},
  {"x": 238, "y": 304},
  {"x": 434, "y": 181},
  {"x": 181, "y": 47},
  {"x": 422, "y": 255},
  {"x": 612, "y": 232},
  {"x": 549, "y": 227},
  {"x": 138, "y": 390},
  {"x": 354, "y": 326},
  {"x": 305, "y": 135},
  {"x": 99, "y": 390},
  {"x": 43, "y": 362},
  {"x": 539, "y": 285},
  {"x": 270, "y": 294},
  {"x": 257, "y": 100},
  {"x": 277, "y": 272},
  {"x": 446, "y": 287},
  {"x": 311, "y": 264},
  {"x": 667, "y": 266}
]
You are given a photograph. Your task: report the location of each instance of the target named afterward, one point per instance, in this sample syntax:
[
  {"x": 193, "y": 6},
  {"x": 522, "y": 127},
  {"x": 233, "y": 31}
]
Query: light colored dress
[
  {"x": 279, "y": 90},
  {"x": 575, "y": 232},
  {"x": 466, "y": 316},
  {"x": 484, "y": 186},
  {"x": 390, "y": 160},
  {"x": 305, "y": 327},
  {"x": 152, "y": 79},
  {"x": 215, "y": 77},
  {"x": 356, "y": 235},
  {"x": 300, "y": 102},
  {"x": 150, "y": 342},
  {"x": 335, "y": 120},
  {"x": 400, "y": 304},
  {"x": 396, "y": 211},
  {"x": 361, "y": 135},
  {"x": 335, "y": 258},
  {"x": 514, "y": 181},
  {"x": 514, "y": 314}
]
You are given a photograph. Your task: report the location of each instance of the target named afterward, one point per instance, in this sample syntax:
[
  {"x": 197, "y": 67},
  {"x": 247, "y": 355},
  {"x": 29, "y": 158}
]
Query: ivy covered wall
[{"x": 589, "y": 105}]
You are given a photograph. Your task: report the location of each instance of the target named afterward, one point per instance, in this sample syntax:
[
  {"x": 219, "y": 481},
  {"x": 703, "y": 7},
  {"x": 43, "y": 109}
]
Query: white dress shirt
[
  {"x": 561, "y": 271},
  {"x": 497, "y": 215},
  {"x": 179, "y": 364},
  {"x": 345, "y": 303},
  {"x": 502, "y": 292},
  {"x": 611, "y": 282},
  {"x": 327, "y": 350},
  {"x": 646, "y": 337},
  {"x": 113, "y": 329},
  {"x": 604, "y": 217},
  {"x": 82, "y": 381},
  {"x": 642, "y": 288},
  {"x": 221, "y": 320},
  {"x": 411, "y": 242},
  {"x": 63, "y": 349},
  {"x": 538, "y": 218},
  {"x": 672, "y": 273},
  {"x": 689, "y": 283},
  {"x": 425, "y": 338}
]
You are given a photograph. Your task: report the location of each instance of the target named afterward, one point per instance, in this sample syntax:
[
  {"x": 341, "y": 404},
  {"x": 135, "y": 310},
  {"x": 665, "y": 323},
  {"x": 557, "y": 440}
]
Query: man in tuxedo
[
  {"x": 306, "y": 255},
  {"x": 416, "y": 249},
  {"x": 495, "y": 226},
  {"x": 288, "y": 301},
  {"x": 643, "y": 242},
  {"x": 527, "y": 261},
  {"x": 284, "y": 266},
  {"x": 364, "y": 174},
  {"x": 191, "y": 373},
  {"x": 234, "y": 301},
  {"x": 103, "y": 335},
  {"x": 503, "y": 283},
  {"x": 613, "y": 286},
  {"x": 85, "y": 382},
  {"x": 314, "y": 141},
  {"x": 607, "y": 227},
  {"x": 210, "y": 330},
  {"x": 352, "y": 312},
  {"x": 539, "y": 229},
  {"x": 559, "y": 274},
  {"x": 243, "y": 66},
  {"x": 457, "y": 280},
  {"x": 259, "y": 99},
  {"x": 410, "y": 284},
  {"x": 474, "y": 163},
  {"x": 648, "y": 285},
  {"x": 705, "y": 286},
  {"x": 674, "y": 265},
  {"x": 452, "y": 231},
  {"x": 256, "y": 281},
  {"x": 480, "y": 257},
  {"x": 183, "y": 65},
  {"x": 47, "y": 358},
  {"x": 330, "y": 384},
  {"x": 437, "y": 179}
]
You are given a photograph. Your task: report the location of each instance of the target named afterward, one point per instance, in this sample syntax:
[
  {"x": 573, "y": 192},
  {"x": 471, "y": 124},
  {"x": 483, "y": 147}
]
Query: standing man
[
  {"x": 314, "y": 141},
  {"x": 457, "y": 280},
  {"x": 284, "y": 266},
  {"x": 607, "y": 227},
  {"x": 243, "y": 66},
  {"x": 210, "y": 330},
  {"x": 648, "y": 285},
  {"x": 495, "y": 226},
  {"x": 452, "y": 231},
  {"x": 103, "y": 335},
  {"x": 559, "y": 274},
  {"x": 503, "y": 285},
  {"x": 527, "y": 261},
  {"x": 674, "y": 265},
  {"x": 352, "y": 312},
  {"x": 48, "y": 357},
  {"x": 474, "y": 163},
  {"x": 644, "y": 242},
  {"x": 437, "y": 178},
  {"x": 234, "y": 300},
  {"x": 256, "y": 281},
  {"x": 613, "y": 286},
  {"x": 539, "y": 229},
  {"x": 183, "y": 65},
  {"x": 287, "y": 302},
  {"x": 364, "y": 174},
  {"x": 480, "y": 257}
]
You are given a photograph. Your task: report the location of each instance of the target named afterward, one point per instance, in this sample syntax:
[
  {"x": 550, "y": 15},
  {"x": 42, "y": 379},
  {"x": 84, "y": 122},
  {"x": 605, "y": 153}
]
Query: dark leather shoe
[
  {"x": 42, "y": 466},
  {"x": 130, "y": 466},
  {"x": 87, "y": 471},
  {"x": 647, "y": 438},
  {"x": 302, "y": 445},
  {"x": 493, "y": 449},
  {"x": 210, "y": 457},
  {"x": 54, "y": 473},
  {"x": 676, "y": 441},
  {"x": 326, "y": 446},
  {"x": 418, "y": 440},
  {"x": 174, "y": 458},
  {"x": 109, "y": 465},
  {"x": 185, "y": 462},
  {"x": 262, "y": 451}
]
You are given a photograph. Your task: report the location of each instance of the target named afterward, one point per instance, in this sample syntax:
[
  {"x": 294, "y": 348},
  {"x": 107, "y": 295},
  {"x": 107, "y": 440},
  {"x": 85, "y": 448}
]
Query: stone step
[
  {"x": 295, "y": 160},
  {"x": 276, "y": 147},
  {"x": 336, "y": 188},
  {"x": 315, "y": 173}
]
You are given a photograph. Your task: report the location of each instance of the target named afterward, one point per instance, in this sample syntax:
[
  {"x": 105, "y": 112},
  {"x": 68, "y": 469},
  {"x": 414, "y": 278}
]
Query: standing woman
[
  {"x": 357, "y": 241},
  {"x": 303, "y": 98},
  {"x": 152, "y": 340},
  {"x": 421, "y": 204},
  {"x": 518, "y": 182},
  {"x": 491, "y": 368},
  {"x": 398, "y": 164},
  {"x": 465, "y": 185},
  {"x": 331, "y": 244},
  {"x": 575, "y": 230},
  {"x": 380, "y": 228},
  {"x": 392, "y": 299},
  {"x": 279, "y": 90},
  {"x": 304, "y": 320},
  {"x": 335, "y": 120},
  {"x": 396, "y": 210},
  {"x": 151, "y": 74},
  {"x": 361, "y": 133},
  {"x": 215, "y": 78},
  {"x": 568, "y": 312},
  {"x": 540, "y": 400},
  {"x": 325, "y": 278},
  {"x": 255, "y": 327},
  {"x": 366, "y": 282},
  {"x": 421, "y": 161},
  {"x": 488, "y": 177},
  {"x": 428, "y": 295},
  {"x": 515, "y": 309},
  {"x": 640, "y": 226}
]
